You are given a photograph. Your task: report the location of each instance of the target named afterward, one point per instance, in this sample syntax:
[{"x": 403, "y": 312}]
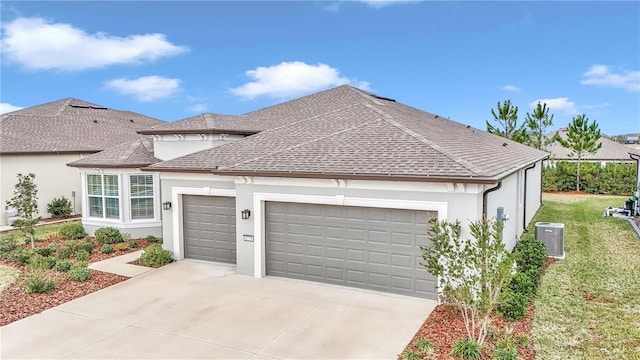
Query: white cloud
[
  {"x": 382, "y": 3},
  {"x": 198, "y": 108},
  {"x": 562, "y": 105},
  {"x": 39, "y": 44},
  {"x": 511, "y": 88},
  {"x": 6, "y": 107},
  {"x": 291, "y": 79},
  {"x": 596, "y": 106},
  {"x": 146, "y": 88},
  {"x": 603, "y": 75}
]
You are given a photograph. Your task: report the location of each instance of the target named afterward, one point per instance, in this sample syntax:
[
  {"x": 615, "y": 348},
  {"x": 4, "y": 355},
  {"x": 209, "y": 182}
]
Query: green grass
[
  {"x": 42, "y": 231},
  {"x": 588, "y": 305}
]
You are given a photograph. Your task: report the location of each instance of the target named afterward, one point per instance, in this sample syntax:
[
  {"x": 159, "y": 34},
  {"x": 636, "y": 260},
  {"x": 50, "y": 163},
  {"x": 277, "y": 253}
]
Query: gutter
[
  {"x": 196, "y": 131},
  {"x": 484, "y": 197},
  {"x": 524, "y": 198}
]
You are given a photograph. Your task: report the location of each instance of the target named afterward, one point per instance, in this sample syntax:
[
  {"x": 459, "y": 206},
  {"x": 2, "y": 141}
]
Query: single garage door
[
  {"x": 371, "y": 248},
  {"x": 210, "y": 228}
]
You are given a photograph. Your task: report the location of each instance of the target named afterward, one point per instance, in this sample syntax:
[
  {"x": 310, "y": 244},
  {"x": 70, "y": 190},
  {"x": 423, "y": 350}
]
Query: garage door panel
[
  {"x": 209, "y": 228},
  {"x": 371, "y": 248}
]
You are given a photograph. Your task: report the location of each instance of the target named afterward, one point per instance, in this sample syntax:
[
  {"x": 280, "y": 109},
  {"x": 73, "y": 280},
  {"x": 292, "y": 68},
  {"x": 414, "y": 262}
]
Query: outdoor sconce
[
  {"x": 246, "y": 213},
  {"x": 166, "y": 205}
]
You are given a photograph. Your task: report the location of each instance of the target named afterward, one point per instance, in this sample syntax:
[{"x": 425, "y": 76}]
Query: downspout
[
  {"x": 524, "y": 198},
  {"x": 484, "y": 197},
  {"x": 637, "y": 159}
]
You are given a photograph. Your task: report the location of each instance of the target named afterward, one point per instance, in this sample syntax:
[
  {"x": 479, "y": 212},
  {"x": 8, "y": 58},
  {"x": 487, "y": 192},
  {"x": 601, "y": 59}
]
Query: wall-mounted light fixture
[
  {"x": 166, "y": 205},
  {"x": 246, "y": 213}
]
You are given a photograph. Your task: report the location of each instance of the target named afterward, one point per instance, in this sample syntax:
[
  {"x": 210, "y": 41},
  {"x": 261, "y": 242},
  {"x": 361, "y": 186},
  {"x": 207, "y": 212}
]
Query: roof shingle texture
[
  {"x": 136, "y": 153},
  {"x": 69, "y": 125},
  {"x": 348, "y": 131},
  {"x": 610, "y": 150}
]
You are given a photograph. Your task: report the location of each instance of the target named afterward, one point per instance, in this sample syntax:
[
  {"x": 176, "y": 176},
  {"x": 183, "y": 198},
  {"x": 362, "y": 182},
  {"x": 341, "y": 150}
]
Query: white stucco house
[
  {"x": 336, "y": 187},
  {"x": 42, "y": 139}
]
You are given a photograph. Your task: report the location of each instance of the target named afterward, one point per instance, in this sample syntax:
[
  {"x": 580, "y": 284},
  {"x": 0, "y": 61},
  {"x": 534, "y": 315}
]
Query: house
[
  {"x": 42, "y": 139},
  {"x": 336, "y": 187}
]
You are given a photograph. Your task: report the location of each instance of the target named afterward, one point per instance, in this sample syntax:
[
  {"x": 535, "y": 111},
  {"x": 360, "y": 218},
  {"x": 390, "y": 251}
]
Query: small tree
[
  {"x": 582, "y": 139},
  {"x": 470, "y": 273},
  {"x": 537, "y": 124},
  {"x": 25, "y": 201},
  {"x": 507, "y": 119}
]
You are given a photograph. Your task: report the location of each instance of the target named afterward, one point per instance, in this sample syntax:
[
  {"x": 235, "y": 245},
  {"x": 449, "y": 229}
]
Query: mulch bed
[
  {"x": 445, "y": 325},
  {"x": 16, "y": 304}
]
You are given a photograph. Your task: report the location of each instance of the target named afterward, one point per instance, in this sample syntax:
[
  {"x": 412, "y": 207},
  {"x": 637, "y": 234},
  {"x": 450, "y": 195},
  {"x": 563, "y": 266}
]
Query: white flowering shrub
[{"x": 471, "y": 272}]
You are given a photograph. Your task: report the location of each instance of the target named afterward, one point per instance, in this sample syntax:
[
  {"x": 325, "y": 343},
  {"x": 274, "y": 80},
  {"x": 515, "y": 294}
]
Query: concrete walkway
[{"x": 199, "y": 310}]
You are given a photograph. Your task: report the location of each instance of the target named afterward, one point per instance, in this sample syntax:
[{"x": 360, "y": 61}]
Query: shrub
[
  {"x": 36, "y": 281},
  {"x": 72, "y": 230},
  {"x": 506, "y": 349},
  {"x": 21, "y": 255},
  {"x": 59, "y": 208},
  {"x": 108, "y": 235},
  {"x": 133, "y": 244},
  {"x": 64, "y": 251},
  {"x": 513, "y": 305},
  {"x": 154, "y": 255},
  {"x": 152, "y": 239},
  {"x": 523, "y": 284},
  {"x": 7, "y": 244},
  {"x": 106, "y": 249},
  {"x": 85, "y": 245},
  {"x": 63, "y": 265},
  {"x": 126, "y": 237},
  {"x": 613, "y": 179},
  {"x": 81, "y": 255},
  {"x": 409, "y": 354},
  {"x": 38, "y": 261},
  {"x": 121, "y": 246},
  {"x": 530, "y": 253},
  {"x": 45, "y": 251},
  {"x": 425, "y": 346},
  {"x": 79, "y": 272},
  {"x": 466, "y": 349}
]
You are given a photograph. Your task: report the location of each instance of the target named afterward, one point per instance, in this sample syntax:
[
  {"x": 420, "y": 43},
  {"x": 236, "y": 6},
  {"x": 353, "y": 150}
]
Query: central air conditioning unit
[{"x": 552, "y": 235}]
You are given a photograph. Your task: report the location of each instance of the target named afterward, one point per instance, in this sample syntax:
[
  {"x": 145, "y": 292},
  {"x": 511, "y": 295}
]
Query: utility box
[{"x": 552, "y": 235}]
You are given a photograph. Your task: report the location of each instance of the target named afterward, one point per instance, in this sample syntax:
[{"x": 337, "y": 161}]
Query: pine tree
[
  {"x": 537, "y": 123},
  {"x": 507, "y": 119},
  {"x": 582, "y": 139}
]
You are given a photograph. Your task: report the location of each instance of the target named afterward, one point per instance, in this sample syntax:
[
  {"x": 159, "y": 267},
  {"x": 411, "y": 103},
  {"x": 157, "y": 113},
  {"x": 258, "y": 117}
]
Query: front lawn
[{"x": 588, "y": 305}]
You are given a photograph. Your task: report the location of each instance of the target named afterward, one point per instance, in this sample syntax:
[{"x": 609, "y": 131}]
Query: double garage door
[{"x": 370, "y": 248}]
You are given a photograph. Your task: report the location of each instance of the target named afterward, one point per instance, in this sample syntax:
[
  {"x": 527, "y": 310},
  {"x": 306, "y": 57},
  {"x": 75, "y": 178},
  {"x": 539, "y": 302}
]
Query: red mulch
[
  {"x": 16, "y": 304},
  {"x": 445, "y": 325}
]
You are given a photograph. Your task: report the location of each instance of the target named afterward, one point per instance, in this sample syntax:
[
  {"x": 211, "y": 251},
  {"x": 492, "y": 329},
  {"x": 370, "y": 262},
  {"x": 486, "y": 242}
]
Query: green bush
[
  {"x": 21, "y": 255},
  {"x": 506, "y": 349},
  {"x": 64, "y": 251},
  {"x": 530, "y": 254},
  {"x": 36, "y": 281},
  {"x": 7, "y": 244},
  {"x": 108, "y": 235},
  {"x": 79, "y": 272},
  {"x": 613, "y": 179},
  {"x": 106, "y": 249},
  {"x": 45, "y": 251},
  {"x": 154, "y": 255},
  {"x": 38, "y": 261},
  {"x": 81, "y": 255},
  {"x": 121, "y": 246},
  {"x": 152, "y": 239},
  {"x": 85, "y": 245},
  {"x": 466, "y": 349},
  {"x": 133, "y": 244},
  {"x": 72, "y": 230},
  {"x": 523, "y": 283},
  {"x": 63, "y": 265},
  {"x": 409, "y": 354},
  {"x": 512, "y": 305},
  {"x": 59, "y": 208}
]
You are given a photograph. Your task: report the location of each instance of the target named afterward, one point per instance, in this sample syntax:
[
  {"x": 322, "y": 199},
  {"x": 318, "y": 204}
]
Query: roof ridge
[
  {"x": 304, "y": 143},
  {"x": 425, "y": 141},
  {"x": 66, "y": 103},
  {"x": 208, "y": 121},
  {"x": 131, "y": 148}
]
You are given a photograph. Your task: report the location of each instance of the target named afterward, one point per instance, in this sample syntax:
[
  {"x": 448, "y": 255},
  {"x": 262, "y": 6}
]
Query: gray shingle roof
[
  {"x": 610, "y": 150},
  {"x": 134, "y": 154},
  {"x": 69, "y": 125},
  {"x": 348, "y": 132}
]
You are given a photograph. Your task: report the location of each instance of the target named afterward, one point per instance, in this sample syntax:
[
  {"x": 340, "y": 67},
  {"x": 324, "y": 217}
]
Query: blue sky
[{"x": 172, "y": 60}]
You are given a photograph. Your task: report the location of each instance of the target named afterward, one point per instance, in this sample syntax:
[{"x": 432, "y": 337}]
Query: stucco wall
[
  {"x": 53, "y": 178},
  {"x": 166, "y": 147}
]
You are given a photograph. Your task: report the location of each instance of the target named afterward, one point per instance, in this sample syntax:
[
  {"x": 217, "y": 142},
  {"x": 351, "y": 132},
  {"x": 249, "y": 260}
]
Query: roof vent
[
  {"x": 437, "y": 116},
  {"x": 383, "y": 98},
  {"x": 131, "y": 120},
  {"x": 504, "y": 144},
  {"x": 95, "y": 121}
]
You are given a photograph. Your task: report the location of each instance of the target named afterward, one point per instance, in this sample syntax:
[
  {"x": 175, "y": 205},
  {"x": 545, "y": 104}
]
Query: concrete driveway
[{"x": 189, "y": 310}]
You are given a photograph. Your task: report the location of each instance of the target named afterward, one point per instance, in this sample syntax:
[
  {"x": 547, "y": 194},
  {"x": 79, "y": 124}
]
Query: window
[
  {"x": 103, "y": 192},
  {"x": 141, "y": 196}
]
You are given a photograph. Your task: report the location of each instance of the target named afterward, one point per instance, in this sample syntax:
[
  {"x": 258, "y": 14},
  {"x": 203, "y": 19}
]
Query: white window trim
[
  {"x": 178, "y": 216},
  {"x": 155, "y": 196},
  {"x": 104, "y": 209},
  {"x": 259, "y": 200}
]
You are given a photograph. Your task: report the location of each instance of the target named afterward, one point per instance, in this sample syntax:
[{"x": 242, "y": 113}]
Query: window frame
[
  {"x": 107, "y": 193},
  {"x": 152, "y": 197}
]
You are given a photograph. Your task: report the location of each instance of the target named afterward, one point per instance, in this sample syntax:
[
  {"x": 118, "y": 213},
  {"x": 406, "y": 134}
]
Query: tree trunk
[{"x": 578, "y": 175}]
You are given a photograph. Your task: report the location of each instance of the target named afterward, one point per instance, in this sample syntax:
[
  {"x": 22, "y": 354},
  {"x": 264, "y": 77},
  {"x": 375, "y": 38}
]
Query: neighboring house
[
  {"x": 42, "y": 139},
  {"x": 611, "y": 151},
  {"x": 338, "y": 187}
]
